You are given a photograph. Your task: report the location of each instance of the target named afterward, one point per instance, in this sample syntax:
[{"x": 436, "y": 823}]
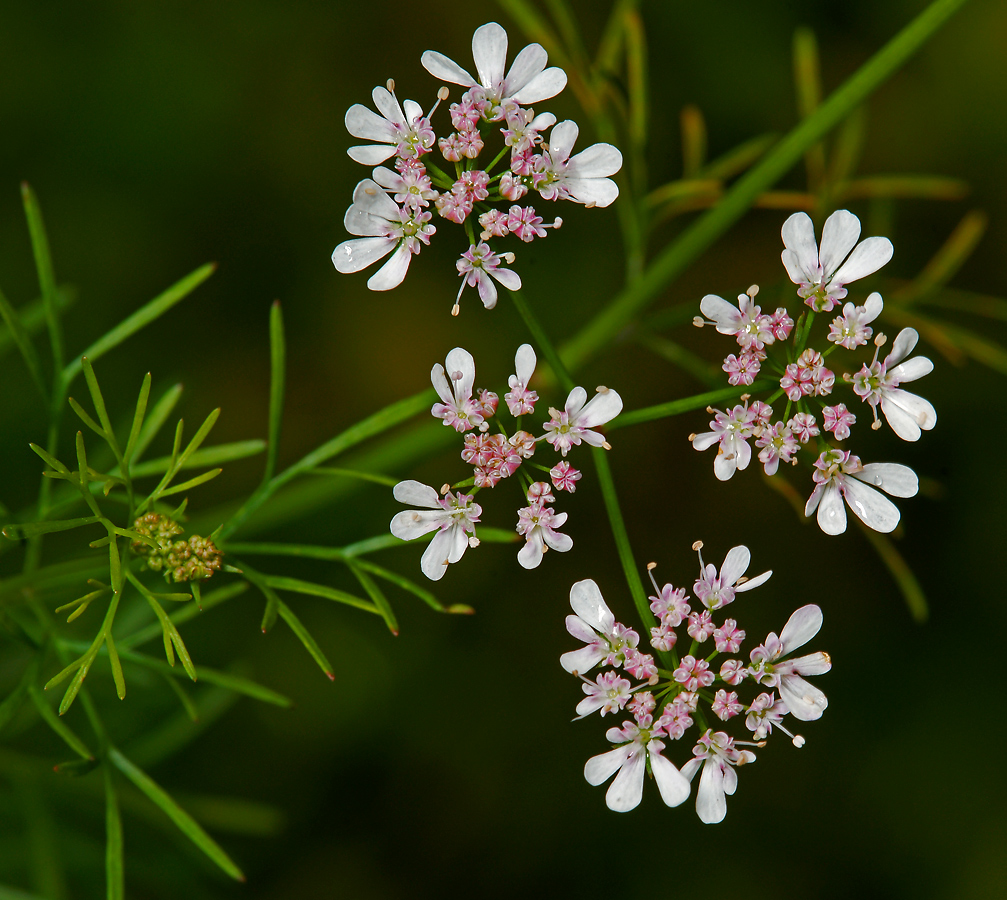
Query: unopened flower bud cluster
[
  {"x": 485, "y": 190},
  {"x": 801, "y": 381},
  {"x": 193, "y": 559},
  {"x": 499, "y": 454},
  {"x": 706, "y": 687}
]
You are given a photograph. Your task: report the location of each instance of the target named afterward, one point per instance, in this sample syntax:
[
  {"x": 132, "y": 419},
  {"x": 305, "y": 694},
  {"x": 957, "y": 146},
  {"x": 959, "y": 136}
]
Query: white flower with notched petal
[
  {"x": 715, "y": 591},
  {"x": 595, "y": 625},
  {"x": 583, "y": 177},
  {"x": 528, "y": 80},
  {"x": 821, "y": 273},
  {"x": 384, "y": 227},
  {"x": 630, "y": 761},
  {"x": 841, "y": 476},
  {"x": 718, "y": 756},
  {"x": 573, "y": 424},
  {"x": 803, "y": 700},
  {"x": 452, "y": 517},
  {"x": 405, "y": 133},
  {"x": 879, "y": 383},
  {"x": 454, "y": 386}
]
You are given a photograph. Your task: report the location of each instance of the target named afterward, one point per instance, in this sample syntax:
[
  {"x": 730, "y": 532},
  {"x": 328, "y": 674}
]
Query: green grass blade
[
  {"x": 677, "y": 256},
  {"x": 269, "y": 613},
  {"x": 141, "y": 318},
  {"x": 380, "y": 600},
  {"x": 24, "y": 345},
  {"x": 277, "y": 382},
  {"x": 18, "y": 532},
  {"x": 115, "y": 878},
  {"x": 183, "y": 821},
  {"x": 208, "y": 456},
  {"x": 402, "y": 582},
  {"x": 304, "y": 636},
  {"x": 46, "y": 275},
  {"x": 155, "y": 421},
  {"x": 57, "y": 725}
]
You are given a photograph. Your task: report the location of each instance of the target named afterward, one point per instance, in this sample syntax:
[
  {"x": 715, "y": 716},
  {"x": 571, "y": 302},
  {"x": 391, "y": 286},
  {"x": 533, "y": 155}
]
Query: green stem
[
  {"x": 673, "y": 261},
  {"x": 542, "y": 339}
]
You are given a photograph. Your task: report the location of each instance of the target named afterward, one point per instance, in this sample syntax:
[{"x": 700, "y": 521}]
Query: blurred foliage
[{"x": 442, "y": 762}]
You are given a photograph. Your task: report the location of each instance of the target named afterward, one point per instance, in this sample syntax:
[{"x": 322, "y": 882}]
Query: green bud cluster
[{"x": 194, "y": 559}]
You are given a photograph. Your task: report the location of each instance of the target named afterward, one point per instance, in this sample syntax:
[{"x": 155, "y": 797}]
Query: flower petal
[
  {"x": 908, "y": 413},
  {"x": 799, "y": 238},
  {"x": 561, "y": 543},
  {"x": 582, "y": 660},
  {"x": 413, "y": 523},
  {"x": 813, "y": 664},
  {"x": 839, "y": 236},
  {"x": 831, "y": 511},
  {"x": 674, "y": 787},
  {"x": 352, "y": 256},
  {"x": 461, "y": 372},
  {"x": 527, "y": 64},
  {"x": 711, "y": 804},
  {"x": 370, "y": 198},
  {"x": 893, "y": 478},
  {"x": 438, "y": 65},
  {"x": 546, "y": 84},
  {"x": 601, "y": 408},
  {"x": 434, "y": 562},
  {"x": 581, "y": 630},
  {"x": 508, "y": 278},
  {"x": 364, "y": 123},
  {"x": 869, "y": 256},
  {"x": 599, "y": 192},
  {"x": 754, "y": 582},
  {"x": 801, "y": 627},
  {"x": 489, "y": 51},
  {"x": 873, "y": 304},
  {"x": 587, "y": 601},
  {"x": 597, "y": 161},
  {"x": 873, "y": 508},
  {"x": 371, "y": 154},
  {"x": 913, "y": 368},
  {"x": 561, "y": 140},
  {"x": 598, "y": 769},
  {"x": 626, "y": 792},
  {"x": 389, "y": 107},
  {"x": 902, "y": 347},
  {"x": 735, "y": 565},
  {"x": 723, "y": 312},
  {"x": 803, "y": 699},
  {"x": 415, "y": 493},
  {"x": 524, "y": 363},
  {"x": 530, "y": 555},
  {"x": 390, "y": 275}
]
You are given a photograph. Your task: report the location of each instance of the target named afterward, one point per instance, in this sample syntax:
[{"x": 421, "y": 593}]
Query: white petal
[
  {"x": 813, "y": 500},
  {"x": 362, "y": 223},
  {"x": 755, "y": 582},
  {"x": 487, "y": 291},
  {"x": 594, "y": 191},
  {"x": 582, "y": 660},
  {"x": 597, "y": 161},
  {"x": 626, "y": 792},
  {"x": 690, "y": 769},
  {"x": 873, "y": 304},
  {"x": 390, "y": 275},
  {"x": 371, "y": 154},
  {"x": 705, "y": 440},
  {"x": 434, "y": 562},
  {"x": 352, "y": 256},
  {"x": 364, "y": 123},
  {"x": 543, "y": 86},
  {"x": 561, "y": 140},
  {"x": 902, "y": 347},
  {"x": 388, "y": 106},
  {"x": 913, "y": 368},
  {"x": 674, "y": 787},
  {"x": 831, "y": 511},
  {"x": 489, "y": 51},
  {"x": 369, "y": 196},
  {"x": 870, "y": 256},
  {"x": 907, "y": 413},
  {"x": 530, "y": 555},
  {"x": 839, "y": 236},
  {"x": 803, "y": 699},
  {"x": 799, "y": 237},
  {"x": 813, "y": 664},
  {"x": 588, "y": 603},
  {"x": 413, "y": 111},
  {"x": 602, "y": 407},
  {"x": 524, "y": 363},
  {"x": 558, "y": 542},
  {"x": 389, "y": 180},
  {"x": 736, "y": 564},
  {"x": 724, "y": 465},
  {"x": 415, "y": 493},
  {"x": 711, "y": 804},
  {"x": 797, "y": 272},
  {"x": 874, "y": 509},
  {"x": 508, "y": 278},
  {"x": 527, "y": 64},
  {"x": 440, "y": 382},
  {"x": 598, "y": 769},
  {"x": 723, "y": 312},
  {"x": 801, "y": 627},
  {"x": 893, "y": 478},
  {"x": 580, "y": 629},
  {"x": 575, "y": 402},
  {"x": 460, "y": 360},
  {"x": 413, "y": 523},
  {"x": 438, "y": 65}
]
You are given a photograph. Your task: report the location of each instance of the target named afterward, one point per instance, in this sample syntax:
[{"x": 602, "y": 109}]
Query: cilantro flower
[
  {"x": 452, "y": 517},
  {"x": 584, "y": 177}
]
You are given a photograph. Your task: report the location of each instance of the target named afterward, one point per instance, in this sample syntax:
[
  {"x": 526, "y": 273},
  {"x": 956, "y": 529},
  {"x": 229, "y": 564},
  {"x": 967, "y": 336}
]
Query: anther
[
  {"x": 390, "y": 84},
  {"x": 455, "y": 309},
  {"x": 601, "y": 389},
  {"x": 698, "y": 321},
  {"x": 698, "y": 545},
  {"x": 606, "y": 445},
  {"x": 692, "y": 436},
  {"x": 879, "y": 341},
  {"x": 443, "y": 94},
  {"x": 445, "y": 488},
  {"x": 752, "y": 291}
]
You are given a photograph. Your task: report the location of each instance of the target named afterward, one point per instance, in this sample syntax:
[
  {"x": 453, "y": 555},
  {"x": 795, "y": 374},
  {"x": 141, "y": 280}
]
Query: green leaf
[
  {"x": 113, "y": 658},
  {"x": 209, "y": 456},
  {"x": 191, "y": 483},
  {"x": 57, "y": 725},
  {"x": 85, "y": 418},
  {"x": 283, "y": 583},
  {"x": 46, "y": 275},
  {"x": 155, "y": 421},
  {"x": 912, "y": 591},
  {"x": 18, "y": 532},
  {"x": 213, "y": 598},
  {"x": 269, "y": 613},
  {"x": 352, "y": 473},
  {"x": 183, "y": 821},
  {"x": 402, "y": 582},
  {"x": 190, "y": 708},
  {"x": 906, "y": 187},
  {"x": 277, "y": 379},
  {"x": 171, "y": 636},
  {"x": 808, "y": 82},
  {"x": 51, "y": 460},
  {"x": 138, "y": 414},
  {"x": 82, "y": 603},
  {"x": 304, "y": 636},
  {"x": 24, "y": 344},
  {"x": 115, "y": 879},
  {"x": 380, "y": 600},
  {"x": 99, "y": 407},
  {"x": 142, "y": 317},
  {"x": 677, "y": 407},
  {"x": 12, "y": 702}
]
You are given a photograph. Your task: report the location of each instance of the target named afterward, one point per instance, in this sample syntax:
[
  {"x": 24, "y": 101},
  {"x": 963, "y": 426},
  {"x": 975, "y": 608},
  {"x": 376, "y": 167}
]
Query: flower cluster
[
  {"x": 666, "y": 702},
  {"x": 800, "y": 374},
  {"x": 393, "y": 211},
  {"x": 194, "y": 559},
  {"x": 498, "y": 455}
]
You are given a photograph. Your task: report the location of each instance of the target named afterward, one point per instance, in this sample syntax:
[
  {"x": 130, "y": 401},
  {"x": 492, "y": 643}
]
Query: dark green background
[{"x": 443, "y": 762}]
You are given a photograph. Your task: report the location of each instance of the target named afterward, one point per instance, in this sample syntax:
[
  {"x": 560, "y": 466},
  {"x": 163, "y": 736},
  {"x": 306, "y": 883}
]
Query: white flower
[
  {"x": 476, "y": 266},
  {"x": 745, "y": 321},
  {"x": 573, "y": 425},
  {"x": 803, "y": 700},
  {"x": 454, "y": 387},
  {"x": 406, "y": 133},
  {"x": 822, "y": 274},
  {"x": 719, "y": 777},
  {"x": 520, "y": 401},
  {"x": 713, "y": 591},
  {"x": 385, "y": 227},
  {"x": 538, "y": 524},
  {"x": 841, "y": 476},
  {"x": 584, "y": 177},
  {"x": 594, "y": 623},
  {"x": 850, "y": 330},
  {"x": 630, "y": 761},
  {"x": 528, "y": 80},
  {"x": 453, "y": 516},
  {"x": 879, "y": 383}
]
